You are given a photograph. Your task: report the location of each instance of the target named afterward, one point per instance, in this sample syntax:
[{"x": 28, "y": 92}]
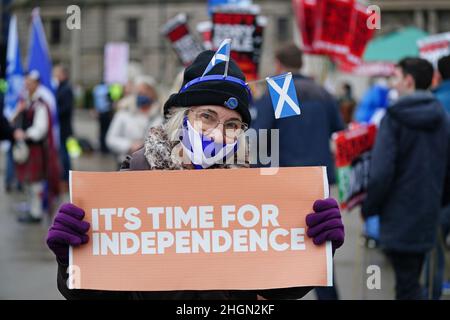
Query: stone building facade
[{"x": 139, "y": 22}]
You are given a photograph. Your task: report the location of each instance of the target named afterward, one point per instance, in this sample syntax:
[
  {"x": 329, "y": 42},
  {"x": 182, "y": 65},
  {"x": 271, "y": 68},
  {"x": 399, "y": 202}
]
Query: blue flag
[
  {"x": 283, "y": 95},
  {"x": 39, "y": 60},
  {"x": 14, "y": 70},
  {"x": 38, "y": 55},
  {"x": 222, "y": 55}
]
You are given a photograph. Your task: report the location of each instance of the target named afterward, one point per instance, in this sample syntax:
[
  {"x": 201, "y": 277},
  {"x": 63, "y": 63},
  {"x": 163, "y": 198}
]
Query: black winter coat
[{"x": 409, "y": 175}]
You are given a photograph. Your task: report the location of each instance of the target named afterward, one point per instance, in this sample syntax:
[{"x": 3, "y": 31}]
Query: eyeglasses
[{"x": 209, "y": 121}]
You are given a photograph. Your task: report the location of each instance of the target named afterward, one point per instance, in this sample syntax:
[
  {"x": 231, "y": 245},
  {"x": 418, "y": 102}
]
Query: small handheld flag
[
  {"x": 222, "y": 55},
  {"x": 283, "y": 95}
]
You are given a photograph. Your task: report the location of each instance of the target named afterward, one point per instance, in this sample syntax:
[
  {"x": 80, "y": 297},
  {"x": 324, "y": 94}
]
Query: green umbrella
[{"x": 394, "y": 46}]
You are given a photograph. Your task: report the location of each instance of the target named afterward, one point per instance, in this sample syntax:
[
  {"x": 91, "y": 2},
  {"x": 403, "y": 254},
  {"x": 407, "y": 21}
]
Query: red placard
[
  {"x": 333, "y": 26},
  {"x": 434, "y": 47},
  {"x": 184, "y": 44},
  {"x": 305, "y": 13},
  {"x": 244, "y": 27},
  {"x": 359, "y": 34},
  {"x": 353, "y": 155}
]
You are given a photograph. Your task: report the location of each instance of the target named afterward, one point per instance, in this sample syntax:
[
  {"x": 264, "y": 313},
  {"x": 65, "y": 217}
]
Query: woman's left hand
[{"x": 325, "y": 223}]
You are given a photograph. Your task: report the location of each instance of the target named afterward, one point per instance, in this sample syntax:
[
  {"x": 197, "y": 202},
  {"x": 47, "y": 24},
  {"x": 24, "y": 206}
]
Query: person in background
[
  {"x": 103, "y": 106},
  {"x": 409, "y": 175},
  {"x": 442, "y": 91},
  {"x": 128, "y": 101},
  {"x": 375, "y": 98},
  {"x": 435, "y": 262},
  {"x": 347, "y": 103},
  {"x": 303, "y": 140},
  {"x": 64, "y": 103},
  {"x": 129, "y": 126},
  {"x": 41, "y": 165}
]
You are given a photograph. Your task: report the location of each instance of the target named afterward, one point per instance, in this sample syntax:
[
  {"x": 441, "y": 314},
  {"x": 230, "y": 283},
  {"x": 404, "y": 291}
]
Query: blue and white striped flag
[
  {"x": 14, "y": 70},
  {"x": 283, "y": 95},
  {"x": 222, "y": 55}
]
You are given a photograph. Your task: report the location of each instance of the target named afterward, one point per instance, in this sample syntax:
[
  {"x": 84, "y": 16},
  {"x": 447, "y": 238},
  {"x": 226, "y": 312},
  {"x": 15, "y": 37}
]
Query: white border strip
[
  {"x": 326, "y": 188},
  {"x": 328, "y": 248},
  {"x": 70, "y": 269}
]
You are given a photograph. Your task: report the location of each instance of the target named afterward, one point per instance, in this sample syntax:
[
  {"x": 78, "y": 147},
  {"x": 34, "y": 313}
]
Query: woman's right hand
[{"x": 68, "y": 229}]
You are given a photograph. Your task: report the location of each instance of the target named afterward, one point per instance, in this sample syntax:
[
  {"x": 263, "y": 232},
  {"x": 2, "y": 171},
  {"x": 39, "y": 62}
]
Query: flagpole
[
  {"x": 228, "y": 60},
  {"x": 265, "y": 79}
]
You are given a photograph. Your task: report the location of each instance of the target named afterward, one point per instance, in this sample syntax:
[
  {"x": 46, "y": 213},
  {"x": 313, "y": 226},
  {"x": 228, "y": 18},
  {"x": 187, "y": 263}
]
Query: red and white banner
[
  {"x": 186, "y": 46},
  {"x": 359, "y": 34},
  {"x": 306, "y": 16},
  {"x": 245, "y": 27},
  {"x": 434, "y": 47},
  {"x": 204, "y": 28},
  {"x": 333, "y": 27},
  {"x": 353, "y": 154}
]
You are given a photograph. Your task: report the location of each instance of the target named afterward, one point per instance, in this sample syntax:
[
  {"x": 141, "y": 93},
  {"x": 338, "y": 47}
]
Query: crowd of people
[{"x": 409, "y": 179}]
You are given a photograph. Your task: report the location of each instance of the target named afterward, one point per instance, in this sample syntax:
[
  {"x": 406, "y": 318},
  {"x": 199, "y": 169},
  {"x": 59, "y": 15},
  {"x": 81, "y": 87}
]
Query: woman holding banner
[{"x": 204, "y": 127}]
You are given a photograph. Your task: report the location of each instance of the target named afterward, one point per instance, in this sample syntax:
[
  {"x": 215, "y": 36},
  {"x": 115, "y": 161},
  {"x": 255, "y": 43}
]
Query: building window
[
  {"x": 55, "y": 31},
  {"x": 132, "y": 30},
  {"x": 283, "y": 29}
]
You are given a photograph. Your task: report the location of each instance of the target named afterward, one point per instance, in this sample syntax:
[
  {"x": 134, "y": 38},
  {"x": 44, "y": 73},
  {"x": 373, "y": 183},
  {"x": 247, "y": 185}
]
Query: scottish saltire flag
[
  {"x": 39, "y": 59},
  {"x": 222, "y": 55},
  {"x": 14, "y": 70},
  {"x": 283, "y": 95}
]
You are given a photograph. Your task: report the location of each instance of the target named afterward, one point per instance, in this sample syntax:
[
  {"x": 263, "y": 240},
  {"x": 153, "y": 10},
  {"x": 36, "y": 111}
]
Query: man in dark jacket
[
  {"x": 303, "y": 140},
  {"x": 410, "y": 161},
  {"x": 64, "y": 102}
]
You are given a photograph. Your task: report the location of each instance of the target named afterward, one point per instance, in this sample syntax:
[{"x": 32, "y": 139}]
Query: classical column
[{"x": 432, "y": 22}]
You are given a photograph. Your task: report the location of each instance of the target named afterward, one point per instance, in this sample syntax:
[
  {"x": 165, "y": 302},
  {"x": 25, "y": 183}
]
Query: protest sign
[
  {"x": 199, "y": 230},
  {"x": 359, "y": 35},
  {"x": 368, "y": 69},
  {"x": 204, "y": 28},
  {"x": 245, "y": 28},
  {"x": 434, "y": 47},
  {"x": 353, "y": 147},
  {"x": 116, "y": 62},
  {"x": 306, "y": 16},
  {"x": 186, "y": 46},
  {"x": 333, "y": 26}
]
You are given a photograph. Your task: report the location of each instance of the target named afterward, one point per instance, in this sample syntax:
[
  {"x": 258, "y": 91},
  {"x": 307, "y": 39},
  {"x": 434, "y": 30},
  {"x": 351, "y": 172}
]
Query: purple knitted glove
[
  {"x": 68, "y": 229},
  {"x": 325, "y": 223}
]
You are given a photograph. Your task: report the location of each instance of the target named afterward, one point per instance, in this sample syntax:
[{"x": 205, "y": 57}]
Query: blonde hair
[{"x": 174, "y": 124}]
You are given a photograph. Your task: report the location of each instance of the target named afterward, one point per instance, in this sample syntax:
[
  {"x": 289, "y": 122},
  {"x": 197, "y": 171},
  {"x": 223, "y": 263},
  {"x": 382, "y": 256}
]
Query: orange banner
[{"x": 199, "y": 230}]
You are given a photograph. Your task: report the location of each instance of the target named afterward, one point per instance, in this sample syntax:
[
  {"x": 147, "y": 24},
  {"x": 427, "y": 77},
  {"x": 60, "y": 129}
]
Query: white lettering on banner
[
  {"x": 207, "y": 241},
  {"x": 241, "y": 35},
  {"x": 255, "y": 228}
]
